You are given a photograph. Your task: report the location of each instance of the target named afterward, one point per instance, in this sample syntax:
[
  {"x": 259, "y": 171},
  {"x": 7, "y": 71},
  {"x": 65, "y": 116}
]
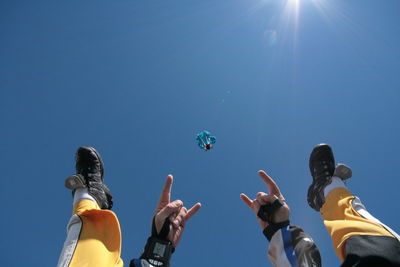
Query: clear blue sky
[{"x": 138, "y": 79}]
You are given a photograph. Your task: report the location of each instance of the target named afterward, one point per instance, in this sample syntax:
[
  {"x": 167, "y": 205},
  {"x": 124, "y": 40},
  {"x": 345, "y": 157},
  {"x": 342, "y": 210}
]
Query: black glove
[{"x": 266, "y": 213}]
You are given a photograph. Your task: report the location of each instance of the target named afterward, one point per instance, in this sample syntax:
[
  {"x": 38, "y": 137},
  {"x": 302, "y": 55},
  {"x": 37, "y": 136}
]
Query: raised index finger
[
  {"x": 165, "y": 196},
  {"x": 271, "y": 185}
]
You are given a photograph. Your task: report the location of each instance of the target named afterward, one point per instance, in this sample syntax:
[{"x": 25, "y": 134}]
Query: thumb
[{"x": 167, "y": 211}]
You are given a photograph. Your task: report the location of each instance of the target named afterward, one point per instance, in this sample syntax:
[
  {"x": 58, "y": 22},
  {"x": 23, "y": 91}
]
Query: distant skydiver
[{"x": 205, "y": 140}]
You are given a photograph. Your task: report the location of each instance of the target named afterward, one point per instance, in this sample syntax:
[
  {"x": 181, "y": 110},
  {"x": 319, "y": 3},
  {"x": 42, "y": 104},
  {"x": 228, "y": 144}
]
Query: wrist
[
  {"x": 159, "y": 248},
  {"x": 158, "y": 251},
  {"x": 271, "y": 229}
]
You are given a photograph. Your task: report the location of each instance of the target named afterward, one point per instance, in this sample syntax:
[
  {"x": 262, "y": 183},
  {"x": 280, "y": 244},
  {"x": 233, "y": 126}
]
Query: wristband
[
  {"x": 158, "y": 251},
  {"x": 271, "y": 229},
  {"x": 158, "y": 248}
]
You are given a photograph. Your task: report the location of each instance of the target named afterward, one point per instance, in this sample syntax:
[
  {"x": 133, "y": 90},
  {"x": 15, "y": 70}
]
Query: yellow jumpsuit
[
  {"x": 344, "y": 217},
  {"x": 99, "y": 236}
]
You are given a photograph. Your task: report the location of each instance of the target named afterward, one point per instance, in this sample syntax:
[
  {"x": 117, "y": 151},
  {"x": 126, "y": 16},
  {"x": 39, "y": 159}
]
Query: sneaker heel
[
  {"x": 75, "y": 181},
  {"x": 342, "y": 171}
]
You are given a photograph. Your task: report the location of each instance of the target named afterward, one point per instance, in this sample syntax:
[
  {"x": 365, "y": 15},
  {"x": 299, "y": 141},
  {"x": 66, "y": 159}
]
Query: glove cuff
[{"x": 271, "y": 229}]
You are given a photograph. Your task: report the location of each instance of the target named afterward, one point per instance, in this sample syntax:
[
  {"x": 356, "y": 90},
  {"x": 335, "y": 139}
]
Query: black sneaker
[
  {"x": 322, "y": 167},
  {"x": 90, "y": 171}
]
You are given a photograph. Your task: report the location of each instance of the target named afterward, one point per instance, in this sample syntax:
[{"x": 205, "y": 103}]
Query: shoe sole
[
  {"x": 318, "y": 149},
  {"x": 92, "y": 149}
]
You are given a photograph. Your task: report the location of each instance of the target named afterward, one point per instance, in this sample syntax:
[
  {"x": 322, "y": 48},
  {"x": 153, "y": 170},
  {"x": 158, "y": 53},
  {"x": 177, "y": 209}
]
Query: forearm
[{"x": 291, "y": 246}]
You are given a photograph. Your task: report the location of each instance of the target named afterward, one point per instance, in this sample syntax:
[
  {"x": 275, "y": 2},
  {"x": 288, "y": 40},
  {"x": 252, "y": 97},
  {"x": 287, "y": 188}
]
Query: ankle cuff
[
  {"x": 336, "y": 183},
  {"x": 82, "y": 193}
]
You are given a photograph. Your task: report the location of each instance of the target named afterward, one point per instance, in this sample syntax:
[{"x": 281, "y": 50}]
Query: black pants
[{"x": 368, "y": 250}]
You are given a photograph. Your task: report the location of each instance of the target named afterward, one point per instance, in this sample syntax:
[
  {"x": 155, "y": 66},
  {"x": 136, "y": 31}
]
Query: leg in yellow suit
[
  {"x": 358, "y": 238},
  {"x": 350, "y": 225},
  {"x": 93, "y": 232},
  {"x": 93, "y": 238}
]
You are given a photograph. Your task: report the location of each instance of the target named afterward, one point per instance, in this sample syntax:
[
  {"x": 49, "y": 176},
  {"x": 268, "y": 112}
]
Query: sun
[{"x": 293, "y": 5}]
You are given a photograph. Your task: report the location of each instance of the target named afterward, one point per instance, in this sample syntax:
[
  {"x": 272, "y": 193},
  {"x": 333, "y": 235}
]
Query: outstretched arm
[
  {"x": 289, "y": 245},
  {"x": 167, "y": 228}
]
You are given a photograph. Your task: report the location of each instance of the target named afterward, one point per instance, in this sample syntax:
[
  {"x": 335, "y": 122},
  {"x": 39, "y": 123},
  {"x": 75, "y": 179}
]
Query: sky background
[{"x": 139, "y": 79}]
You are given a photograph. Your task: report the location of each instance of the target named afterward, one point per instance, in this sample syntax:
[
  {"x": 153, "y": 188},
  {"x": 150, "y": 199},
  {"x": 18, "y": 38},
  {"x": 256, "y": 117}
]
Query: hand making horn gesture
[
  {"x": 281, "y": 214},
  {"x": 174, "y": 211}
]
